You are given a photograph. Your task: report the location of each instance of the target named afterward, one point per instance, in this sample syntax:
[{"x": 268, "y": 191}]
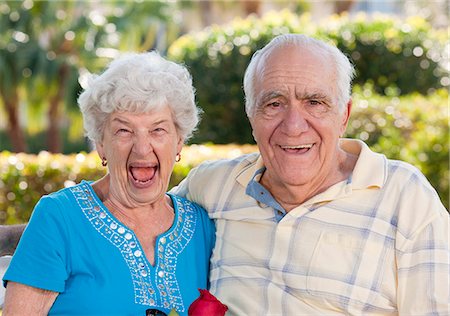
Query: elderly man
[{"x": 316, "y": 224}]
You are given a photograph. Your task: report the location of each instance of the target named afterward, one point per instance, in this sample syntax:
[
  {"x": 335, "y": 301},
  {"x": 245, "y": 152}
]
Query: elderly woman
[{"x": 134, "y": 247}]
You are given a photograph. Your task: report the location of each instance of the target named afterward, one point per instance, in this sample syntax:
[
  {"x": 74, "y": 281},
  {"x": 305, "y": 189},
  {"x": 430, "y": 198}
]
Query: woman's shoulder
[
  {"x": 66, "y": 190},
  {"x": 67, "y": 196}
]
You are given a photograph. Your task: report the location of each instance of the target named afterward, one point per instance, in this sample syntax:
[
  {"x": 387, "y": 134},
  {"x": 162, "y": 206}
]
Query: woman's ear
[
  {"x": 100, "y": 150},
  {"x": 180, "y": 144}
]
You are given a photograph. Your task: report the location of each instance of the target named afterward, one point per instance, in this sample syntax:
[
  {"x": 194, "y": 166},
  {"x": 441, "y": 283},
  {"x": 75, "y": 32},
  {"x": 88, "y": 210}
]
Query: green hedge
[
  {"x": 397, "y": 56},
  {"x": 24, "y": 178},
  {"x": 413, "y": 128}
]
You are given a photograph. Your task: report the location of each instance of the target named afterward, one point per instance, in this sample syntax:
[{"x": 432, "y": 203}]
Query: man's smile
[{"x": 296, "y": 148}]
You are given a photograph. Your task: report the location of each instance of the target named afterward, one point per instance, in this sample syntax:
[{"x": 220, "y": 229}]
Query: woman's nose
[{"x": 142, "y": 145}]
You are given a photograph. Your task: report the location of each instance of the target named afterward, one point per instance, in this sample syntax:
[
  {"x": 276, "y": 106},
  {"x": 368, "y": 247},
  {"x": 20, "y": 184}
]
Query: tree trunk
[
  {"x": 14, "y": 130},
  {"x": 205, "y": 12},
  {"x": 54, "y": 141},
  {"x": 343, "y": 6},
  {"x": 250, "y": 7}
]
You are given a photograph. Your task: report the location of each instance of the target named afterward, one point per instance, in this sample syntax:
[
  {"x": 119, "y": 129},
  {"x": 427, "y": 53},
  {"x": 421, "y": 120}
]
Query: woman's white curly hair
[{"x": 139, "y": 83}]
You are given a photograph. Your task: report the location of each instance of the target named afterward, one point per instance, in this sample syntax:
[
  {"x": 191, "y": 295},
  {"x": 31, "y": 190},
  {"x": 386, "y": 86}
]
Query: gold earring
[
  {"x": 104, "y": 162},
  {"x": 178, "y": 157}
]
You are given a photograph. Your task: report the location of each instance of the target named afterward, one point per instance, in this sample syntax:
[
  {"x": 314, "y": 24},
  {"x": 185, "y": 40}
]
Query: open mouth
[
  {"x": 142, "y": 175},
  {"x": 300, "y": 149}
]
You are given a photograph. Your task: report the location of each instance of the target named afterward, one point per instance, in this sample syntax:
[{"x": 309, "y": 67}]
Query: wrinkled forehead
[
  {"x": 294, "y": 57},
  {"x": 305, "y": 68}
]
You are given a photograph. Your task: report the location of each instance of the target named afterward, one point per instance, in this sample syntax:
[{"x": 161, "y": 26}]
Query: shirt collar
[
  {"x": 249, "y": 172},
  {"x": 370, "y": 171},
  {"x": 260, "y": 193}
]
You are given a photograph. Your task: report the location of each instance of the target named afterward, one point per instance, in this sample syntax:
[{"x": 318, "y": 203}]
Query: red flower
[{"x": 207, "y": 305}]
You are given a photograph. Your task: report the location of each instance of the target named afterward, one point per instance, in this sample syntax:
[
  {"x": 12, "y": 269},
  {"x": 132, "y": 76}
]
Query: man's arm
[
  {"x": 9, "y": 238},
  {"x": 424, "y": 270}
]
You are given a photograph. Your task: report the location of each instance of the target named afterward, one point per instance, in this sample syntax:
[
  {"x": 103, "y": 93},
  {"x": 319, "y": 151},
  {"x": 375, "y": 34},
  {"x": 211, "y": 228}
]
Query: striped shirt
[{"x": 375, "y": 244}]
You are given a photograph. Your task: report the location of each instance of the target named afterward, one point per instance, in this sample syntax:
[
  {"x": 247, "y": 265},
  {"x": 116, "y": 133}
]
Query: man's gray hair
[
  {"x": 344, "y": 69},
  {"x": 139, "y": 83}
]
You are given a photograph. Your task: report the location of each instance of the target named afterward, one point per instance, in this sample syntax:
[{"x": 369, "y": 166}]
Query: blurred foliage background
[
  {"x": 388, "y": 125},
  {"x": 396, "y": 56},
  {"x": 49, "y": 48}
]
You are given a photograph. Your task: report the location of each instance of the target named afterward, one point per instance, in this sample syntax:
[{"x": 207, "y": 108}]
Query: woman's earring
[
  {"x": 104, "y": 162},
  {"x": 178, "y": 157}
]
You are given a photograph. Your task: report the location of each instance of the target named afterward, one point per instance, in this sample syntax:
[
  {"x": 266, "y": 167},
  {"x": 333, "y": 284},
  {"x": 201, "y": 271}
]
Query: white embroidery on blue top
[{"x": 168, "y": 247}]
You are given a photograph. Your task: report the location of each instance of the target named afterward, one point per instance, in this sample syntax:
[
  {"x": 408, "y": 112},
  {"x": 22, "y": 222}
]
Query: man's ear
[
  {"x": 250, "y": 120},
  {"x": 346, "y": 116}
]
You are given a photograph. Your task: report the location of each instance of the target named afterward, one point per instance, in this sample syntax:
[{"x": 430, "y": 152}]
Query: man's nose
[{"x": 295, "y": 120}]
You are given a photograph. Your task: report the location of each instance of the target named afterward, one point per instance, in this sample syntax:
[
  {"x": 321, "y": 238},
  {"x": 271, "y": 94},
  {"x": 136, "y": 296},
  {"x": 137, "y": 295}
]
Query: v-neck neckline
[
  {"x": 126, "y": 230},
  {"x": 151, "y": 283}
]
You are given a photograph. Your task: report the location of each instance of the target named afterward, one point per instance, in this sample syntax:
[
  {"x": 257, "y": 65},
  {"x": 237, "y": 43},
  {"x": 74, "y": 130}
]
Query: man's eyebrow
[
  {"x": 266, "y": 96},
  {"x": 314, "y": 95}
]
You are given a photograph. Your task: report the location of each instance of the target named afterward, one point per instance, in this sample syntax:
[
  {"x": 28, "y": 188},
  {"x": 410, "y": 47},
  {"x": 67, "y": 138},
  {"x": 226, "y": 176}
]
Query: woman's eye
[{"x": 123, "y": 131}]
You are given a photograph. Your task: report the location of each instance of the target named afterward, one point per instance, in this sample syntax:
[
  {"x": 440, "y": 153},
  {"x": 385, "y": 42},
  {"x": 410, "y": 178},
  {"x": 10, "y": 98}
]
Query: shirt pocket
[{"x": 348, "y": 272}]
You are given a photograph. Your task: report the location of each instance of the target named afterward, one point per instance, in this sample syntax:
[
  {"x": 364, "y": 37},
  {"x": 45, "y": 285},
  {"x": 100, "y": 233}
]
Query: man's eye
[
  {"x": 317, "y": 108},
  {"x": 274, "y": 104},
  {"x": 159, "y": 130}
]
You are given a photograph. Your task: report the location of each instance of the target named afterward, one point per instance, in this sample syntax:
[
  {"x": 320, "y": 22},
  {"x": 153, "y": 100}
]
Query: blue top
[{"x": 73, "y": 245}]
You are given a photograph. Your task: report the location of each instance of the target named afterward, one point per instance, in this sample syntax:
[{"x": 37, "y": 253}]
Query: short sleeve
[{"x": 40, "y": 259}]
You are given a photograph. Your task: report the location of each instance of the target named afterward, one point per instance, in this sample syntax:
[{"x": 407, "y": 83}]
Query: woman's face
[{"x": 140, "y": 149}]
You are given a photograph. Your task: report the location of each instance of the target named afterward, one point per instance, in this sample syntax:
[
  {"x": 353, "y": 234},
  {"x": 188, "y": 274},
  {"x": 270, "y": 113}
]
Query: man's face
[{"x": 297, "y": 123}]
